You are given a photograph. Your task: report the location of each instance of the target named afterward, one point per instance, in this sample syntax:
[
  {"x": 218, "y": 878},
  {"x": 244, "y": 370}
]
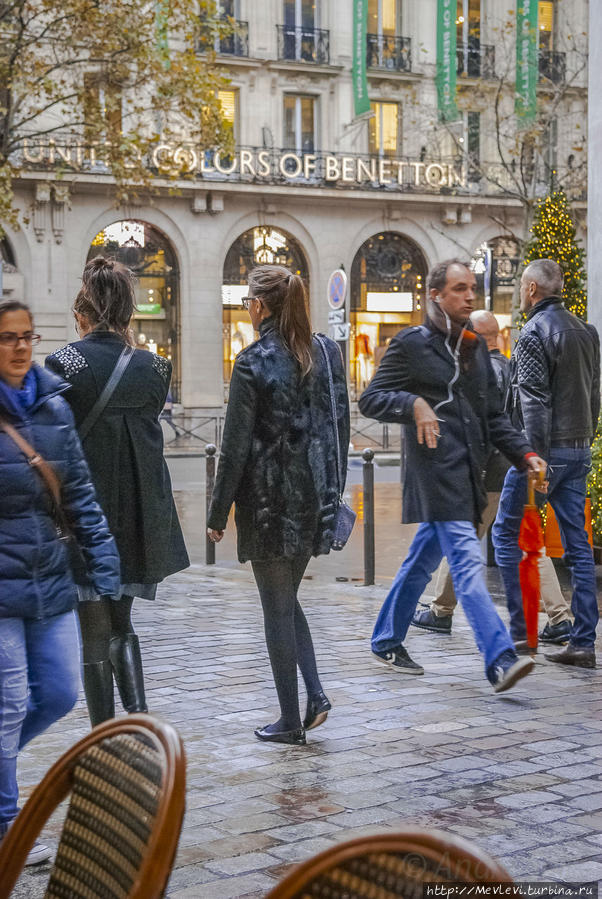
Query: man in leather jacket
[{"x": 555, "y": 398}]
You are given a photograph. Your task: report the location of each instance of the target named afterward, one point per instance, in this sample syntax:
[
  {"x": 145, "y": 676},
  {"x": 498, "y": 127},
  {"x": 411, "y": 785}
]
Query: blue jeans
[
  {"x": 39, "y": 683},
  {"x": 568, "y": 469},
  {"x": 457, "y": 540}
]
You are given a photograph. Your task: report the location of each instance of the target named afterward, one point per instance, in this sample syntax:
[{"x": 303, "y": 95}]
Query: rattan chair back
[
  {"x": 388, "y": 866},
  {"x": 127, "y": 785}
]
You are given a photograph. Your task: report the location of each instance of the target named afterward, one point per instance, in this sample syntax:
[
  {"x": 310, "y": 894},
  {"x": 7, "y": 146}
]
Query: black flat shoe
[
  {"x": 318, "y": 707},
  {"x": 293, "y": 737}
]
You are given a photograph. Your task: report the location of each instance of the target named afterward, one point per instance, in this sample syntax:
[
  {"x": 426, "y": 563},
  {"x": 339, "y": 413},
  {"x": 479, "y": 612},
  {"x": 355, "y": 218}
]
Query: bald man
[{"x": 438, "y": 618}]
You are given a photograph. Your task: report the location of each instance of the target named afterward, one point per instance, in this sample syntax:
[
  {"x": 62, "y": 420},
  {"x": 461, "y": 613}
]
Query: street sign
[
  {"x": 339, "y": 332},
  {"x": 336, "y": 316},
  {"x": 337, "y": 289}
]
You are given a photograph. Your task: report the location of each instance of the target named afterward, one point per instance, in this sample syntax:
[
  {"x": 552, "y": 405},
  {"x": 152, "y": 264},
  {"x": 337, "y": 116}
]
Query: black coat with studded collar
[{"x": 278, "y": 460}]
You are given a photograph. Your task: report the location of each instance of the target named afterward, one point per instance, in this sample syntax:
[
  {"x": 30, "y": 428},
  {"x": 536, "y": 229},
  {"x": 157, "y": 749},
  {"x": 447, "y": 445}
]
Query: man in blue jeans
[
  {"x": 437, "y": 380},
  {"x": 555, "y": 398}
]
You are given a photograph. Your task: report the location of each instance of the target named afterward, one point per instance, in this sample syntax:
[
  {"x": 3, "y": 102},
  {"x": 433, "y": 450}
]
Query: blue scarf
[{"x": 18, "y": 399}]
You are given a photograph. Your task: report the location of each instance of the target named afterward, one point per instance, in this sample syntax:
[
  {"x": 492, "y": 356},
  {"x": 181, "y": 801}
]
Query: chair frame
[
  {"x": 465, "y": 862},
  {"x": 57, "y": 784}
]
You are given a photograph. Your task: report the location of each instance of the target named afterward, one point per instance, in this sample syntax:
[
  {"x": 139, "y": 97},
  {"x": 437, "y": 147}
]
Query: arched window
[
  {"x": 7, "y": 255},
  {"x": 147, "y": 251},
  {"x": 388, "y": 279},
  {"x": 256, "y": 246}
]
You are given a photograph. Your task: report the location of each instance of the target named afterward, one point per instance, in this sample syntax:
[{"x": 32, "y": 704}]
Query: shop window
[
  {"x": 383, "y": 129},
  {"x": 148, "y": 253},
  {"x": 299, "y": 123},
  {"x": 255, "y": 247},
  {"x": 495, "y": 264},
  {"x": 387, "y": 284},
  {"x": 546, "y": 24}
]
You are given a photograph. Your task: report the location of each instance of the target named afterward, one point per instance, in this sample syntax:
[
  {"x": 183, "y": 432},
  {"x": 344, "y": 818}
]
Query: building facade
[{"x": 383, "y": 195}]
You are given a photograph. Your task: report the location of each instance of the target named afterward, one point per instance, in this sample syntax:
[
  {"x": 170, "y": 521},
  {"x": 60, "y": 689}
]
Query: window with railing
[
  {"x": 475, "y": 60},
  {"x": 299, "y": 123},
  {"x": 300, "y": 39},
  {"x": 228, "y": 100},
  {"x": 384, "y": 129},
  {"x": 385, "y": 46}
]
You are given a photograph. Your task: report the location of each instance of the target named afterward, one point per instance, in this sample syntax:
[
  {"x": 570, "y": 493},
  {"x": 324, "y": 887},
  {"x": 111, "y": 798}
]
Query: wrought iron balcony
[
  {"x": 385, "y": 51},
  {"x": 304, "y": 44},
  {"x": 475, "y": 60},
  {"x": 552, "y": 66},
  {"x": 234, "y": 44}
]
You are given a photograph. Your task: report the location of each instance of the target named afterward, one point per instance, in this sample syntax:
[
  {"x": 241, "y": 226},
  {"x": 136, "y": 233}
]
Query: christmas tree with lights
[{"x": 553, "y": 236}]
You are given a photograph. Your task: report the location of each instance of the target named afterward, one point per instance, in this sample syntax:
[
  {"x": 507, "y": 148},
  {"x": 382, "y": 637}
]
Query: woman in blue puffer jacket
[{"x": 39, "y": 639}]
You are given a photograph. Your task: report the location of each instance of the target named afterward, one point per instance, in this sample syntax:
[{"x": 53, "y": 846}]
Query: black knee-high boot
[
  {"x": 129, "y": 676},
  {"x": 98, "y": 687}
]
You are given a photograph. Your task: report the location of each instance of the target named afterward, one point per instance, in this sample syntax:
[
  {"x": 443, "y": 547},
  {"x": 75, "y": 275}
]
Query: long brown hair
[
  {"x": 285, "y": 297},
  {"x": 107, "y": 296}
]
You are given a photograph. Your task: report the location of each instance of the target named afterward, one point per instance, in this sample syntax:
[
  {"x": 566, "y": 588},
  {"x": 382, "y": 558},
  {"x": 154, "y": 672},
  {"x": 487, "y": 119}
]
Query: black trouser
[
  {"x": 100, "y": 620},
  {"x": 287, "y": 634}
]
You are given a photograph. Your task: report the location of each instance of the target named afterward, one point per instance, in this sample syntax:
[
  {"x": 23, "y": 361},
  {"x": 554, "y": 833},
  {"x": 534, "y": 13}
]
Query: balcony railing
[
  {"x": 234, "y": 44},
  {"x": 552, "y": 66},
  {"x": 476, "y": 61},
  {"x": 388, "y": 52},
  {"x": 304, "y": 44}
]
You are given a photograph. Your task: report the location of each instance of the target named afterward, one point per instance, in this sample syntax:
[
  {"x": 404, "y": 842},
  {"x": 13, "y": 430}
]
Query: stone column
[{"x": 594, "y": 199}]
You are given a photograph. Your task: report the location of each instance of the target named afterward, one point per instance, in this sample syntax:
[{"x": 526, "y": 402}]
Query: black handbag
[{"x": 344, "y": 518}]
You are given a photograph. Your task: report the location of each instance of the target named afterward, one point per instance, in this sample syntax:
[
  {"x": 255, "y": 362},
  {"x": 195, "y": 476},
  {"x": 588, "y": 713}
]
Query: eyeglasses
[
  {"x": 9, "y": 338},
  {"x": 246, "y": 301}
]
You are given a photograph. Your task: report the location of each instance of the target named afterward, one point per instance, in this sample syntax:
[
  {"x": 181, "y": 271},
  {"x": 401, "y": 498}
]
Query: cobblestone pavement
[{"x": 520, "y": 774}]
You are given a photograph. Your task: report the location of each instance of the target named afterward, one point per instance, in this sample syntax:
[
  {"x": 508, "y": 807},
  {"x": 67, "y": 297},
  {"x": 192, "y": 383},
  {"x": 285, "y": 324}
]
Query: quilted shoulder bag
[{"x": 344, "y": 516}]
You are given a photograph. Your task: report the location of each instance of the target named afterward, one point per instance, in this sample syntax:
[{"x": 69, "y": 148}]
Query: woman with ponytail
[
  {"x": 278, "y": 465},
  {"x": 123, "y": 443}
]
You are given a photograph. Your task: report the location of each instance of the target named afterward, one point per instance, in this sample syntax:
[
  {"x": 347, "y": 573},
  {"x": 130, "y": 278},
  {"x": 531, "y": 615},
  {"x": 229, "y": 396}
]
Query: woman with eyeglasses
[
  {"x": 122, "y": 438},
  {"x": 278, "y": 465},
  {"x": 39, "y": 642}
]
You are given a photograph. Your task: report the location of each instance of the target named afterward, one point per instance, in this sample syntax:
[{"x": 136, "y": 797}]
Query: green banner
[
  {"x": 361, "y": 100},
  {"x": 446, "y": 60},
  {"x": 527, "y": 70}
]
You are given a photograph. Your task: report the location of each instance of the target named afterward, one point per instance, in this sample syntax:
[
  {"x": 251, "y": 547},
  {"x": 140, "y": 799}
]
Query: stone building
[{"x": 382, "y": 195}]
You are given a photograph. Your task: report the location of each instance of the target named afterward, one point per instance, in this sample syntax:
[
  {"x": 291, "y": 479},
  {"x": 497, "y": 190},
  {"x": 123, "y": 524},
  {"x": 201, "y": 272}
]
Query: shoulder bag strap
[
  {"x": 333, "y": 407},
  {"x": 43, "y": 469},
  {"x": 107, "y": 392}
]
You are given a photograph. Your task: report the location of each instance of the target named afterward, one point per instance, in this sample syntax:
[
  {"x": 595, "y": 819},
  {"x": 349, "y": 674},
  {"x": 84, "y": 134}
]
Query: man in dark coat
[
  {"x": 555, "y": 399},
  {"x": 438, "y": 618},
  {"x": 437, "y": 380}
]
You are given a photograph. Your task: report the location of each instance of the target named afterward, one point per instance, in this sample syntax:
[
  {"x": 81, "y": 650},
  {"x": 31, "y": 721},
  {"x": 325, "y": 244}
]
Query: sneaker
[
  {"x": 39, "y": 853},
  {"x": 556, "y": 633},
  {"x": 508, "y": 669},
  {"x": 399, "y": 660},
  {"x": 436, "y": 624}
]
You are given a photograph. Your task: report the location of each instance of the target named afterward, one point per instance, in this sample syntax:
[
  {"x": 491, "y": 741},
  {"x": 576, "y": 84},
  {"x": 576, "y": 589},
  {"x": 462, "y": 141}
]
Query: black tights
[
  {"x": 287, "y": 634},
  {"x": 100, "y": 620}
]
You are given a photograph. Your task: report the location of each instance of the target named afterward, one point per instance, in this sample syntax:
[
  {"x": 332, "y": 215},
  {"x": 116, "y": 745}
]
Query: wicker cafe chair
[
  {"x": 386, "y": 866},
  {"x": 127, "y": 781}
]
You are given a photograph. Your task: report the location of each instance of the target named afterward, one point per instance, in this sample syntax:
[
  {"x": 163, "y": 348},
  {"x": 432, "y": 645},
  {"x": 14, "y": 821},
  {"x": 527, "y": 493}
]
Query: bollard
[
  {"x": 368, "y": 471},
  {"x": 210, "y": 451}
]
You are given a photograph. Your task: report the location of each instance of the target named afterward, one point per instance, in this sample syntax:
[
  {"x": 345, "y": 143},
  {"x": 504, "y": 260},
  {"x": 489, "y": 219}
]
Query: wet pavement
[{"x": 520, "y": 774}]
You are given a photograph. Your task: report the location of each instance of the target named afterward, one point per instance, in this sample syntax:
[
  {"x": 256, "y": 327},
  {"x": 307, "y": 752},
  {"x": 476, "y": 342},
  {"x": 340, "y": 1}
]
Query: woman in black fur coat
[{"x": 278, "y": 465}]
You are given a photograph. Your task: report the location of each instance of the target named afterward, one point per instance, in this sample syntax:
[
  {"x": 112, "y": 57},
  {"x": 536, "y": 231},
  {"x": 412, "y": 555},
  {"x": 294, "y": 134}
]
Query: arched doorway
[
  {"x": 12, "y": 285},
  {"x": 256, "y": 246},
  {"x": 388, "y": 279},
  {"x": 495, "y": 264},
  {"x": 147, "y": 251}
]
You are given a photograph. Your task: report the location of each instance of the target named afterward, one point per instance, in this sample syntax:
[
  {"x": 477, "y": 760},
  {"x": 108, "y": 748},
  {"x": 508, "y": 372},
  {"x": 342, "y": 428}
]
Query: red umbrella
[{"x": 531, "y": 542}]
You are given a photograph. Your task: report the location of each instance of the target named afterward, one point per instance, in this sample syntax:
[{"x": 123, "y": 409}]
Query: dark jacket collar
[
  {"x": 101, "y": 334},
  {"x": 543, "y": 304},
  {"x": 49, "y": 385},
  {"x": 268, "y": 324}
]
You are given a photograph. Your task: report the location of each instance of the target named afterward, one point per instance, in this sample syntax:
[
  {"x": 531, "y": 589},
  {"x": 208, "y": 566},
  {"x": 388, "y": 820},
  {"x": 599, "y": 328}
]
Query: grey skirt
[{"x": 142, "y": 591}]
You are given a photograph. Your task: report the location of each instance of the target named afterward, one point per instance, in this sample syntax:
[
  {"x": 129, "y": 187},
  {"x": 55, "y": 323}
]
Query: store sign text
[{"x": 260, "y": 165}]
